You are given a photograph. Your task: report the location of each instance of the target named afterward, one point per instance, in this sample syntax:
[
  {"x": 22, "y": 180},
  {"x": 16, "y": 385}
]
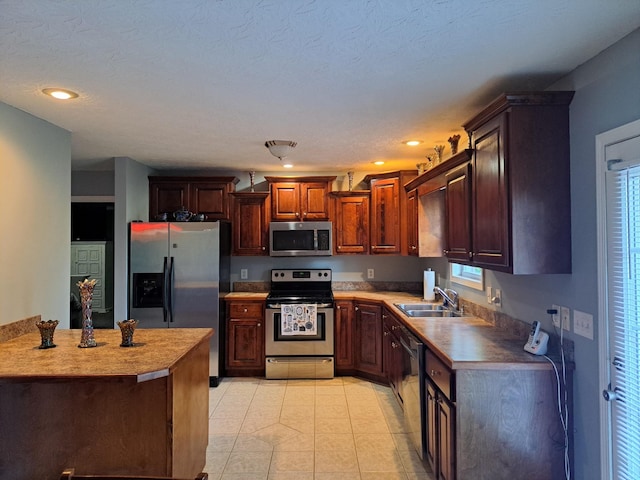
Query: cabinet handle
[
  {"x": 434, "y": 373},
  {"x": 470, "y": 255},
  {"x": 264, "y": 248},
  {"x": 356, "y": 309},
  {"x": 245, "y": 310},
  {"x": 445, "y": 252},
  {"x": 386, "y": 334},
  {"x": 259, "y": 324},
  {"x": 338, "y": 307},
  {"x": 394, "y": 345}
]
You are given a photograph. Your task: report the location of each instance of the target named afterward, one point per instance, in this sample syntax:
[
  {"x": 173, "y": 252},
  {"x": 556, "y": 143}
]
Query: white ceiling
[{"x": 202, "y": 84}]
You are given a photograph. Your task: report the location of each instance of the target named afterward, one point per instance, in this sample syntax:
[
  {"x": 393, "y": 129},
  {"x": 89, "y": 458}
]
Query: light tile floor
[{"x": 343, "y": 428}]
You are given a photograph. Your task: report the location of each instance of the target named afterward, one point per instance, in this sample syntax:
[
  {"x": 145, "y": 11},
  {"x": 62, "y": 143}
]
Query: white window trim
[{"x": 466, "y": 281}]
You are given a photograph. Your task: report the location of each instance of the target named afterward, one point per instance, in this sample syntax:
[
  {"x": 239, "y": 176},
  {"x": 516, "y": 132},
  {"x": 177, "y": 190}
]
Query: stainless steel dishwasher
[{"x": 413, "y": 390}]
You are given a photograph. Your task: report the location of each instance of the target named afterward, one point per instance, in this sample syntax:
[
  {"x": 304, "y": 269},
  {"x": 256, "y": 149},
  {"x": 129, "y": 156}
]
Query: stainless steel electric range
[{"x": 299, "y": 324}]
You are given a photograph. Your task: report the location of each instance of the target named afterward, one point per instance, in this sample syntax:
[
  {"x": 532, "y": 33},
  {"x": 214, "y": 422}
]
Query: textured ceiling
[{"x": 202, "y": 84}]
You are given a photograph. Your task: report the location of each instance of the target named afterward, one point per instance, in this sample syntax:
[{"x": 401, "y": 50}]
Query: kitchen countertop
[
  {"x": 462, "y": 343},
  {"x": 154, "y": 355}
]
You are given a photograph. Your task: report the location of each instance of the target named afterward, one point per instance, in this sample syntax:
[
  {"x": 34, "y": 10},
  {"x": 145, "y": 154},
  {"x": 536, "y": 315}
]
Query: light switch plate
[
  {"x": 583, "y": 324},
  {"x": 244, "y": 274}
]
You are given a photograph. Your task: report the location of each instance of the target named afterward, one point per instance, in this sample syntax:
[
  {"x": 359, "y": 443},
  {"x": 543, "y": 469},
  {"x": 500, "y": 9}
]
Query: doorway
[
  {"x": 618, "y": 204},
  {"x": 92, "y": 228}
]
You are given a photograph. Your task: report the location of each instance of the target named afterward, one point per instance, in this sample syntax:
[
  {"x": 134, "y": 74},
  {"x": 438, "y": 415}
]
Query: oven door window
[{"x": 279, "y": 336}]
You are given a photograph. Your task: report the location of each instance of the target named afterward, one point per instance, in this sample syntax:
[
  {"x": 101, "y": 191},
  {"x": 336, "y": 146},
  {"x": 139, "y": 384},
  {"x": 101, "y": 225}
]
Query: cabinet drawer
[
  {"x": 439, "y": 374},
  {"x": 246, "y": 310}
]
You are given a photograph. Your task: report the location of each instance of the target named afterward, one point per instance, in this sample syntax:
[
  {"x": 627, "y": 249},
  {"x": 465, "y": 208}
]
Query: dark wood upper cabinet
[
  {"x": 412, "y": 223},
  {"x": 458, "y": 214},
  {"x": 389, "y": 222},
  {"x": 520, "y": 188},
  {"x": 250, "y": 223},
  {"x": 296, "y": 199},
  {"x": 206, "y": 195},
  {"x": 350, "y": 217}
]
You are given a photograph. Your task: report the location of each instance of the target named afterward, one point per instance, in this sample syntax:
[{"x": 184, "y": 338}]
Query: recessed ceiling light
[
  {"x": 287, "y": 165},
  {"x": 60, "y": 93},
  {"x": 379, "y": 162},
  {"x": 412, "y": 143}
]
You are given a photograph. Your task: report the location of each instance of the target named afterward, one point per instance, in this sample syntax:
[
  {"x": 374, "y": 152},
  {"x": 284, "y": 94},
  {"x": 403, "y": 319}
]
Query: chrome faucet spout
[{"x": 449, "y": 297}]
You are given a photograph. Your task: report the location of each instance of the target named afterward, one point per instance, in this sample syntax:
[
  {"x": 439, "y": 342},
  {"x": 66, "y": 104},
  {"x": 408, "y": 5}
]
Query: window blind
[{"x": 623, "y": 265}]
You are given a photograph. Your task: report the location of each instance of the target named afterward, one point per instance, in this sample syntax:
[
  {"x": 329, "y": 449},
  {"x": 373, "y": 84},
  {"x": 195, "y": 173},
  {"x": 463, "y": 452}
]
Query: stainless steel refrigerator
[{"x": 177, "y": 274}]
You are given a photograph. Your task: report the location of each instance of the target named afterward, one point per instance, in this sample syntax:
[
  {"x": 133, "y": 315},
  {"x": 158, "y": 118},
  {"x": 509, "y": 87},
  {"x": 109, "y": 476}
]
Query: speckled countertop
[
  {"x": 154, "y": 355},
  {"x": 462, "y": 343}
]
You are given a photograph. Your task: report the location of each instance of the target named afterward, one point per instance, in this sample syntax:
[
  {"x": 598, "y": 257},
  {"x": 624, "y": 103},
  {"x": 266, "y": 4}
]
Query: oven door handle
[{"x": 300, "y": 360}]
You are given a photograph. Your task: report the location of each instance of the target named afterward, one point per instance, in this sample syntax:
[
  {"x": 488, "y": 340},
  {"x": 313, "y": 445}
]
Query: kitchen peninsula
[{"x": 141, "y": 410}]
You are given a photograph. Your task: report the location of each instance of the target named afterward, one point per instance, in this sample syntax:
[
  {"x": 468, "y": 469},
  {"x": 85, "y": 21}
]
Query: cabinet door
[
  {"x": 458, "y": 214},
  {"x": 446, "y": 439},
  {"x": 210, "y": 198},
  {"x": 285, "y": 202},
  {"x": 250, "y": 224},
  {"x": 490, "y": 225},
  {"x": 412, "y": 222},
  {"x": 245, "y": 343},
  {"x": 351, "y": 224},
  {"x": 344, "y": 336},
  {"x": 369, "y": 339},
  {"x": 167, "y": 197},
  {"x": 314, "y": 201},
  {"x": 431, "y": 426},
  {"x": 385, "y": 216}
]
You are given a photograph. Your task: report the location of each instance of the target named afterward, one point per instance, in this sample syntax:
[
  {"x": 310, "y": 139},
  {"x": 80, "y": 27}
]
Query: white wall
[
  {"x": 35, "y": 214},
  {"x": 132, "y": 203}
]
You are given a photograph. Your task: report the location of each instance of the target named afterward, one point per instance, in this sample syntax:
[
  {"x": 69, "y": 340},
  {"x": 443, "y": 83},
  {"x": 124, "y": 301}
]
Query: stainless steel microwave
[{"x": 300, "y": 239}]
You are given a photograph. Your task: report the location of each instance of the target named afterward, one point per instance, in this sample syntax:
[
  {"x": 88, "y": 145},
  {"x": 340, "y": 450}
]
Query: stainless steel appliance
[
  {"x": 299, "y": 324},
  {"x": 412, "y": 388},
  {"x": 299, "y": 239},
  {"x": 177, "y": 272}
]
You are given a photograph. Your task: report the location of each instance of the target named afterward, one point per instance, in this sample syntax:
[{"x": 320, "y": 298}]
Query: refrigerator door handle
[
  {"x": 170, "y": 291},
  {"x": 165, "y": 302}
]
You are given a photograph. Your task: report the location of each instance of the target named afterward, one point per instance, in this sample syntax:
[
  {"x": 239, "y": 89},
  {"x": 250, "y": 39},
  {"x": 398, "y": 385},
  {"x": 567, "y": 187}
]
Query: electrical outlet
[
  {"x": 565, "y": 318},
  {"x": 497, "y": 297},
  {"x": 583, "y": 324},
  {"x": 370, "y": 273},
  {"x": 555, "y": 318},
  {"x": 244, "y": 274}
]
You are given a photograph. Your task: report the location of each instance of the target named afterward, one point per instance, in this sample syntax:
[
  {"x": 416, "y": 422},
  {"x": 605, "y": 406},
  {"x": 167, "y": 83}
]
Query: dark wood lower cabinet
[
  {"x": 245, "y": 339},
  {"x": 368, "y": 343},
  {"x": 344, "y": 338}
]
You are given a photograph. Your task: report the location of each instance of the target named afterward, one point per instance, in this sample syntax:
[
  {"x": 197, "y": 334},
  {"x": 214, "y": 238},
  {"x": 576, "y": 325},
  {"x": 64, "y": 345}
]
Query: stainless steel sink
[{"x": 425, "y": 310}]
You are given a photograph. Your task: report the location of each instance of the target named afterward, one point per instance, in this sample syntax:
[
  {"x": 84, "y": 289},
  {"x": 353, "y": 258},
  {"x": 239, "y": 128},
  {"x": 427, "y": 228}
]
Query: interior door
[{"x": 619, "y": 173}]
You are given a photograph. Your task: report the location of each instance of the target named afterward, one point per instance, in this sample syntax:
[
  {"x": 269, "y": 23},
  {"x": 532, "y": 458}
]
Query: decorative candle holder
[
  {"x": 86, "y": 295},
  {"x": 46, "y": 332},
  {"x": 453, "y": 141},
  {"x": 350, "y": 176},
  {"x": 422, "y": 167},
  {"x": 252, "y": 178},
  {"x": 126, "y": 329}
]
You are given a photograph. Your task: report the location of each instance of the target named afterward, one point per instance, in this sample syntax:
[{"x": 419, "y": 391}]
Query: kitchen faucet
[{"x": 449, "y": 297}]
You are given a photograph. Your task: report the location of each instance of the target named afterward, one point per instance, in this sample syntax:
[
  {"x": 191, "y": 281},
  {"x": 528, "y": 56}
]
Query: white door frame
[{"x": 604, "y": 139}]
